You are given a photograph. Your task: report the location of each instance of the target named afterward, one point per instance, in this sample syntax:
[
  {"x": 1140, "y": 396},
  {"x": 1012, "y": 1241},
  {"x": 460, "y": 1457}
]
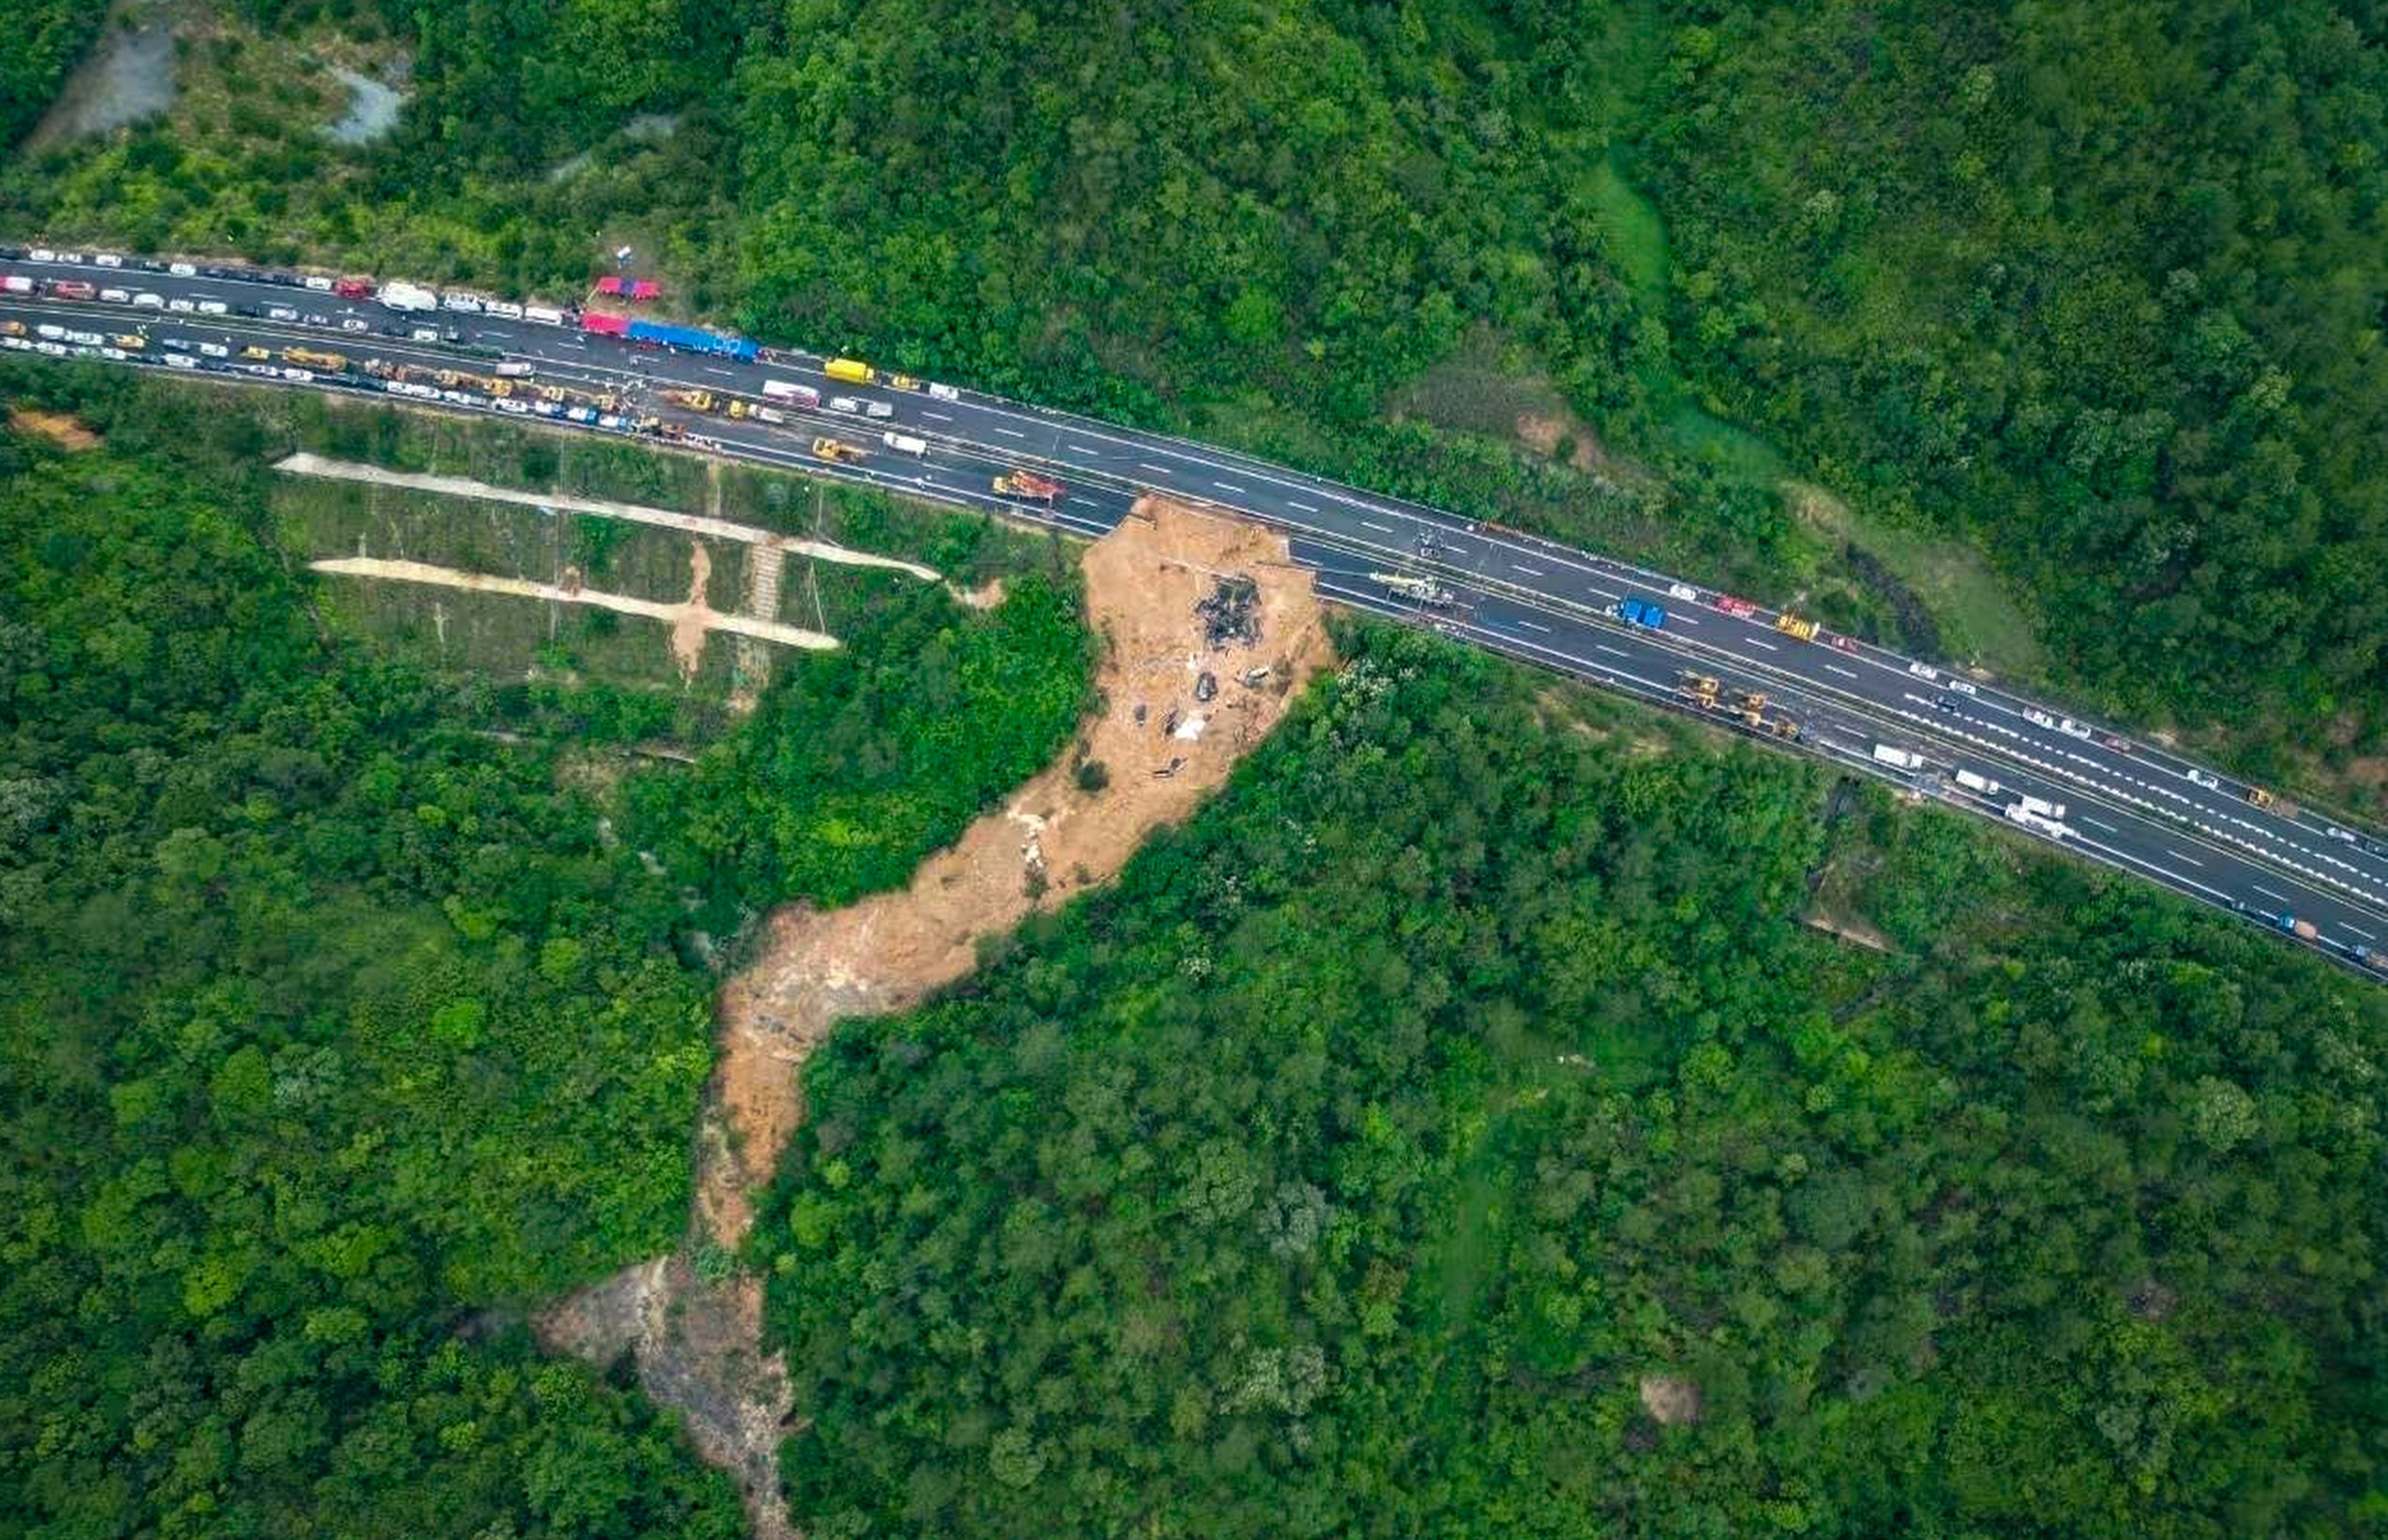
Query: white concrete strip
[
  {"x": 693, "y": 523},
  {"x": 483, "y": 583}
]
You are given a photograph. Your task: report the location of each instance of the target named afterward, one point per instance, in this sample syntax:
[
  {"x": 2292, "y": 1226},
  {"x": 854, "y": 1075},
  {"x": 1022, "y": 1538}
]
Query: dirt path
[
  {"x": 697, "y": 1346},
  {"x": 692, "y": 612},
  {"x": 693, "y": 523},
  {"x": 57, "y": 427}
]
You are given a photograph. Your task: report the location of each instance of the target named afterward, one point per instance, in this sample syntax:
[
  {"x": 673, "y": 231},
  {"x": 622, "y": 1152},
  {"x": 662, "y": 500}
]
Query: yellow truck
[
  {"x": 694, "y": 400},
  {"x": 307, "y": 358},
  {"x": 1793, "y": 626},
  {"x": 851, "y": 371},
  {"x": 130, "y": 343}
]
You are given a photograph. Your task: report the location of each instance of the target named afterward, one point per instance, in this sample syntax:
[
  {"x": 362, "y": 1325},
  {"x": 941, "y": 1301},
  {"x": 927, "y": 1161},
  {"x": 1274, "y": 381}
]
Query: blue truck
[
  {"x": 692, "y": 339},
  {"x": 1640, "y": 612}
]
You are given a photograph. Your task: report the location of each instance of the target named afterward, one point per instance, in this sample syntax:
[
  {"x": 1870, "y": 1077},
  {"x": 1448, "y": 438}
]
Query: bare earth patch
[
  {"x": 1541, "y": 432},
  {"x": 1669, "y": 1399},
  {"x": 697, "y": 1345},
  {"x": 1848, "y": 928},
  {"x": 57, "y": 427}
]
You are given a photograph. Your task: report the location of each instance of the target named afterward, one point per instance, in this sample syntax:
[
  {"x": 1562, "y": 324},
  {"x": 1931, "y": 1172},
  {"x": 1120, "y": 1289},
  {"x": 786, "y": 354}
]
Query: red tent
[
  {"x": 646, "y": 288},
  {"x": 610, "y": 285}
]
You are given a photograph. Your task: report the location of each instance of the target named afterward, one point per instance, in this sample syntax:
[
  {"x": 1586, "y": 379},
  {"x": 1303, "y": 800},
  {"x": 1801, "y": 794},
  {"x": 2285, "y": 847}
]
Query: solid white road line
[
  {"x": 2095, "y": 824},
  {"x": 2268, "y": 892},
  {"x": 1154, "y": 469},
  {"x": 1528, "y": 572},
  {"x": 1382, "y": 529},
  {"x": 1081, "y": 449},
  {"x": 1837, "y": 668},
  {"x": 1307, "y": 508},
  {"x": 1613, "y": 652},
  {"x": 1755, "y": 643},
  {"x": 1545, "y": 629},
  {"x": 936, "y": 416},
  {"x": 1012, "y": 433},
  {"x": 1227, "y": 487}
]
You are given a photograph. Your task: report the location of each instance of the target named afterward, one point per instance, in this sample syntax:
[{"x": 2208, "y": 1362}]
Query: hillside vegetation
[
  {"x": 1455, "y": 1132},
  {"x": 342, "y": 1024},
  {"x": 2099, "y": 286}
]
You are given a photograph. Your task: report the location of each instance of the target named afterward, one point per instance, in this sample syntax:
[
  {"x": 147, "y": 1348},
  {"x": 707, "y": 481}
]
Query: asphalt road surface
[{"x": 1961, "y": 739}]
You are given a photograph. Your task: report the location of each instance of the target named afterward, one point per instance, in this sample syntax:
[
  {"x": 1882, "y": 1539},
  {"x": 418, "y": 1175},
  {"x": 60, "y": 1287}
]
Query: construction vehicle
[
  {"x": 838, "y": 451},
  {"x": 2262, "y": 798},
  {"x": 902, "y": 381},
  {"x": 307, "y": 358},
  {"x": 1701, "y": 688},
  {"x": 256, "y": 354},
  {"x": 694, "y": 400},
  {"x": 1785, "y": 729},
  {"x": 1423, "y": 591},
  {"x": 749, "y": 412},
  {"x": 1751, "y": 704},
  {"x": 2304, "y": 930},
  {"x": 1019, "y": 483},
  {"x": 12, "y": 328},
  {"x": 851, "y": 371},
  {"x": 129, "y": 342},
  {"x": 1794, "y": 626}
]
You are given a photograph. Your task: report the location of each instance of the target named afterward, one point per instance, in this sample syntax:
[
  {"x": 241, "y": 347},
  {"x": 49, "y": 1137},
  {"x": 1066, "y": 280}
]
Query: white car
[
  {"x": 1963, "y": 687},
  {"x": 51, "y": 350},
  {"x": 41, "y": 254},
  {"x": 117, "y": 295},
  {"x": 147, "y": 302},
  {"x": 183, "y": 307},
  {"x": 879, "y": 408},
  {"x": 320, "y": 284},
  {"x": 504, "y": 309},
  {"x": 215, "y": 307},
  {"x": 107, "y": 258},
  {"x": 280, "y": 313},
  {"x": 1684, "y": 592},
  {"x": 49, "y": 333},
  {"x": 72, "y": 258},
  {"x": 2343, "y": 835},
  {"x": 89, "y": 339},
  {"x": 463, "y": 304},
  {"x": 2071, "y": 729},
  {"x": 356, "y": 323},
  {"x": 546, "y": 315},
  {"x": 182, "y": 270},
  {"x": 1923, "y": 670},
  {"x": 16, "y": 344},
  {"x": 844, "y": 403},
  {"x": 215, "y": 350},
  {"x": 2037, "y": 717},
  {"x": 180, "y": 360},
  {"x": 943, "y": 393},
  {"x": 2200, "y": 778},
  {"x": 423, "y": 334}
]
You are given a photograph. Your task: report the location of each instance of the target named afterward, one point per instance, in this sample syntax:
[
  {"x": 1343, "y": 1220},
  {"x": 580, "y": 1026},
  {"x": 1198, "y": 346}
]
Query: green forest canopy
[
  {"x": 1363, "y": 1163},
  {"x": 337, "y": 1031}
]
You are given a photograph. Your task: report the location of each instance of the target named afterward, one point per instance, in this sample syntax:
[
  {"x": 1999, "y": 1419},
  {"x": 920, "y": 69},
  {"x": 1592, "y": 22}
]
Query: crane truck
[{"x": 838, "y": 451}]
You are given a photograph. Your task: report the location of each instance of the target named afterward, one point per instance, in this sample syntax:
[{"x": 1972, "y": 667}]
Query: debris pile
[
  {"x": 1206, "y": 686},
  {"x": 1231, "y": 613}
]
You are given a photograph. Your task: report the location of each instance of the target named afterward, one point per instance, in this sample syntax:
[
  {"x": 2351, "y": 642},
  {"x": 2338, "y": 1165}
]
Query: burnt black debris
[{"x": 1231, "y": 613}]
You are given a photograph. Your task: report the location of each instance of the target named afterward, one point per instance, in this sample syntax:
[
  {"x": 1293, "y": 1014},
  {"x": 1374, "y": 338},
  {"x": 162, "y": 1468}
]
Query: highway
[{"x": 2131, "y": 804}]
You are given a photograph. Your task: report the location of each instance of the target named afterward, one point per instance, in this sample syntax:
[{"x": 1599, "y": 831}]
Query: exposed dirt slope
[{"x": 697, "y": 1346}]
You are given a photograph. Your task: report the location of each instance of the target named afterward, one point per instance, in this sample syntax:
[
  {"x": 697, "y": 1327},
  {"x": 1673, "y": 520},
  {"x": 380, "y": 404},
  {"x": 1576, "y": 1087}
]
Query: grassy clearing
[
  {"x": 1637, "y": 238},
  {"x": 493, "y": 633},
  {"x": 1981, "y": 622}
]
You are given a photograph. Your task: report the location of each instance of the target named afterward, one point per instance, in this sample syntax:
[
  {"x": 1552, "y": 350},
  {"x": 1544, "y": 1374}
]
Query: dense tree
[{"x": 1368, "y": 1158}]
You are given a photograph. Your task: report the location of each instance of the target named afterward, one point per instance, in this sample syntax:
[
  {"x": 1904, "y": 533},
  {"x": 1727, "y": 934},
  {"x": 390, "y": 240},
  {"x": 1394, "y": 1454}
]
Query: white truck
[
  {"x": 408, "y": 297},
  {"x": 2040, "y": 808},
  {"x": 2039, "y": 824},
  {"x": 905, "y": 443},
  {"x": 1896, "y": 759},
  {"x": 797, "y": 395},
  {"x": 1981, "y": 784}
]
